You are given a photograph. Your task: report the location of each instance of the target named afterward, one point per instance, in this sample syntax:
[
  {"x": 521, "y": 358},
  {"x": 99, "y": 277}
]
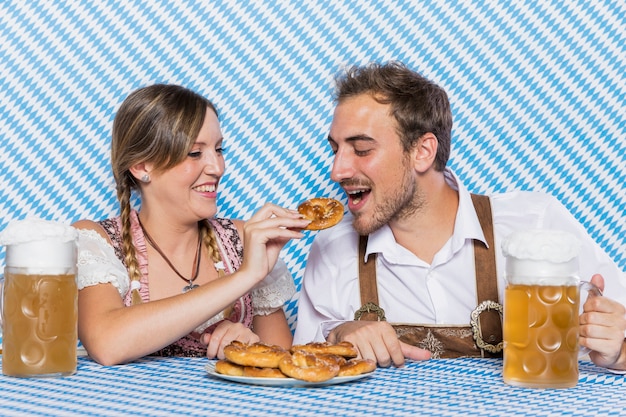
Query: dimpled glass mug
[
  {"x": 39, "y": 299},
  {"x": 541, "y": 309}
]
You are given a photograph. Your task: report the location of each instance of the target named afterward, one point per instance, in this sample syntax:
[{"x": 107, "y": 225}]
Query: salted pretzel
[
  {"x": 345, "y": 349},
  {"x": 308, "y": 367},
  {"x": 356, "y": 367},
  {"x": 313, "y": 362},
  {"x": 258, "y": 355},
  {"x": 226, "y": 367},
  {"x": 255, "y": 372},
  {"x": 324, "y": 212},
  {"x": 339, "y": 360}
]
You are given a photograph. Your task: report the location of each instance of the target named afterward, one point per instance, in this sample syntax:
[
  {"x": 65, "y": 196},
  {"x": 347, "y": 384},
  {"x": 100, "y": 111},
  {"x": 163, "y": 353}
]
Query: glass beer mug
[
  {"x": 39, "y": 299},
  {"x": 541, "y": 309}
]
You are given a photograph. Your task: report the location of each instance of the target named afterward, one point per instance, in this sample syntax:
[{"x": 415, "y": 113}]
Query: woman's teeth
[{"x": 206, "y": 188}]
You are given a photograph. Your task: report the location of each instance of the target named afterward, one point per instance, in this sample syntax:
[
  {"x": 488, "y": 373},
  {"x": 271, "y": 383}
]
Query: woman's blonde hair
[{"x": 159, "y": 125}]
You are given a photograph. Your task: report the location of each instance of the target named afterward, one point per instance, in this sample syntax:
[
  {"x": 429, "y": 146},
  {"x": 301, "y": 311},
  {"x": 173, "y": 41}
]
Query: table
[{"x": 181, "y": 386}]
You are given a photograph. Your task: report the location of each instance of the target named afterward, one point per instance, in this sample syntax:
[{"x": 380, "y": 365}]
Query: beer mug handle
[{"x": 592, "y": 291}]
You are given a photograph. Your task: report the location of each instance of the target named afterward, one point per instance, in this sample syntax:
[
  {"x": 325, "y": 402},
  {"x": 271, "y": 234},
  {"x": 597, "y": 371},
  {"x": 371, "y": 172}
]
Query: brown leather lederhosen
[{"x": 482, "y": 336}]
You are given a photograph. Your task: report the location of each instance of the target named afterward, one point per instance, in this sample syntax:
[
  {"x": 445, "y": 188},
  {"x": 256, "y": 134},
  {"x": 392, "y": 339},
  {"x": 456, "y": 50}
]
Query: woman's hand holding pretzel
[{"x": 265, "y": 234}]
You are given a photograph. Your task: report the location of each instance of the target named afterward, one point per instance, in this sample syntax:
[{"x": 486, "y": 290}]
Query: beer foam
[
  {"x": 37, "y": 245},
  {"x": 541, "y": 257}
]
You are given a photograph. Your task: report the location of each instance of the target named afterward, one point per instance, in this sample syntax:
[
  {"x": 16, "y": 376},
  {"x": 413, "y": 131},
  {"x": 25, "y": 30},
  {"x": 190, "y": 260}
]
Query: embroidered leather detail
[{"x": 368, "y": 308}]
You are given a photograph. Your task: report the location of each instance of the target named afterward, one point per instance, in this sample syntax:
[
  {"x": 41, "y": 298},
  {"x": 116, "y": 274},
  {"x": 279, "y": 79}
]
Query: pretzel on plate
[
  {"x": 356, "y": 367},
  {"x": 226, "y": 367},
  {"x": 308, "y": 367},
  {"x": 345, "y": 349},
  {"x": 258, "y": 355}
]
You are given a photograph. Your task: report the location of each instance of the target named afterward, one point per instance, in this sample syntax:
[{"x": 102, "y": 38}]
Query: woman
[{"x": 170, "y": 279}]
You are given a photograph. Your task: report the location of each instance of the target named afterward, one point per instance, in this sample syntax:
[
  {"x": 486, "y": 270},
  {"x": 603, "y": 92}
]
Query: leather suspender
[
  {"x": 370, "y": 310},
  {"x": 486, "y": 319},
  {"x": 486, "y": 275}
]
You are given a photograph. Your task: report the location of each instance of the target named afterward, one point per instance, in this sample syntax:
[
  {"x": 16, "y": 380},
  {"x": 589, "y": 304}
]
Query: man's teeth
[
  {"x": 356, "y": 196},
  {"x": 206, "y": 188}
]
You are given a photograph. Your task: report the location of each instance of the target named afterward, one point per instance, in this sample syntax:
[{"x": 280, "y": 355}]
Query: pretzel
[
  {"x": 345, "y": 349},
  {"x": 258, "y": 355},
  {"x": 336, "y": 359},
  {"x": 356, "y": 367},
  {"x": 313, "y": 362},
  {"x": 308, "y": 367},
  {"x": 324, "y": 212},
  {"x": 255, "y": 372},
  {"x": 226, "y": 367}
]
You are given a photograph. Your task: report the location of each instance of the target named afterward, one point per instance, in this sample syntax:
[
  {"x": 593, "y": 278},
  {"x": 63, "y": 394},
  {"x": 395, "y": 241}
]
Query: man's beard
[{"x": 402, "y": 203}]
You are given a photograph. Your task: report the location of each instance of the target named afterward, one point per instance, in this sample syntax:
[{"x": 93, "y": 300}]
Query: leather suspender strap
[
  {"x": 486, "y": 275},
  {"x": 370, "y": 310}
]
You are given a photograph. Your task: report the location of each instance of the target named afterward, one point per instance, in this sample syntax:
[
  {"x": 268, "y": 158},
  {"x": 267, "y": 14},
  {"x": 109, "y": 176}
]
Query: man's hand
[
  {"x": 377, "y": 340},
  {"x": 602, "y": 326}
]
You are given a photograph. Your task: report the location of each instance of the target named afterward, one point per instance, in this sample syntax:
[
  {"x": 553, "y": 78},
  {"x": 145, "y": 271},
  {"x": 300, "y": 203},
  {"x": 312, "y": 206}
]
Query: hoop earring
[{"x": 145, "y": 178}]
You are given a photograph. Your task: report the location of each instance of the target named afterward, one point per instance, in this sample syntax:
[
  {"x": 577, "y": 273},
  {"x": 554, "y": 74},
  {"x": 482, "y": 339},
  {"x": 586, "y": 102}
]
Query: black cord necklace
[{"x": 196, "y": 261}]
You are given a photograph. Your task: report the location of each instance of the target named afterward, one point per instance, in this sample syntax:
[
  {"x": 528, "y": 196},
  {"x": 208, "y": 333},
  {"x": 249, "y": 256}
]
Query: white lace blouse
[{"x": 97, "y": 264}]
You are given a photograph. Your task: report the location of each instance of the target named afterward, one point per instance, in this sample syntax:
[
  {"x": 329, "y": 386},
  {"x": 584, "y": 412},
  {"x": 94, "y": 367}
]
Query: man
[{"x": 425, "y": 233}]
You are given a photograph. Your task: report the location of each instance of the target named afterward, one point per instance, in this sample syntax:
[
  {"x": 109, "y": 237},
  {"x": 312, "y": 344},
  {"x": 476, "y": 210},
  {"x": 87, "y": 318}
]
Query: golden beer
[
  {"x": 541, "y": 335},
  {"x": 39, "y": 324}
]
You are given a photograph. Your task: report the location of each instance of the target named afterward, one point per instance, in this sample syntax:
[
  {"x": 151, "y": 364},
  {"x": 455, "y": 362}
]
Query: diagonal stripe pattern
[{"x": 537, "y": 90}]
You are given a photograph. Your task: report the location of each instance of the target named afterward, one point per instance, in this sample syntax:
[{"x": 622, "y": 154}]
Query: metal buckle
[
  {"x": 475, "y": 323},
  {"x": 370, "y": 308}
]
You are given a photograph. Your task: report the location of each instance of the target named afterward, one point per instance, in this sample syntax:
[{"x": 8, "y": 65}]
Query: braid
[
  {"x": 130, "y": 253},
  {"x": 210, "y": 241}
]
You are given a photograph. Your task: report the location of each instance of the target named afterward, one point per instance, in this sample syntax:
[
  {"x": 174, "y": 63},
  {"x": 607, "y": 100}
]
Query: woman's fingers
[{"x": 225, "y": 333}]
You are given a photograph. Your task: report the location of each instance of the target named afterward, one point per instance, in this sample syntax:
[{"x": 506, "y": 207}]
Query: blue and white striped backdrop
[{"x": 537, "y": 88}]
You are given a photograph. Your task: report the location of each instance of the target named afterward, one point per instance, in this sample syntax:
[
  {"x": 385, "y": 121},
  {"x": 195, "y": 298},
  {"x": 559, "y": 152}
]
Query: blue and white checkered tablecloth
[{"x": 181, "y": 386}]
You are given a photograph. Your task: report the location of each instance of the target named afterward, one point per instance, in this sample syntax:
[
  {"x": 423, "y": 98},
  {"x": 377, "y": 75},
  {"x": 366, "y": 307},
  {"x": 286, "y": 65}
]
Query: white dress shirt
[{"x": 443, "y": 292}]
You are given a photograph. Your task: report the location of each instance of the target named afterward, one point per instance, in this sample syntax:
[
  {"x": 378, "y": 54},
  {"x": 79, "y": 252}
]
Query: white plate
[{"x": 282, "y": 382}]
